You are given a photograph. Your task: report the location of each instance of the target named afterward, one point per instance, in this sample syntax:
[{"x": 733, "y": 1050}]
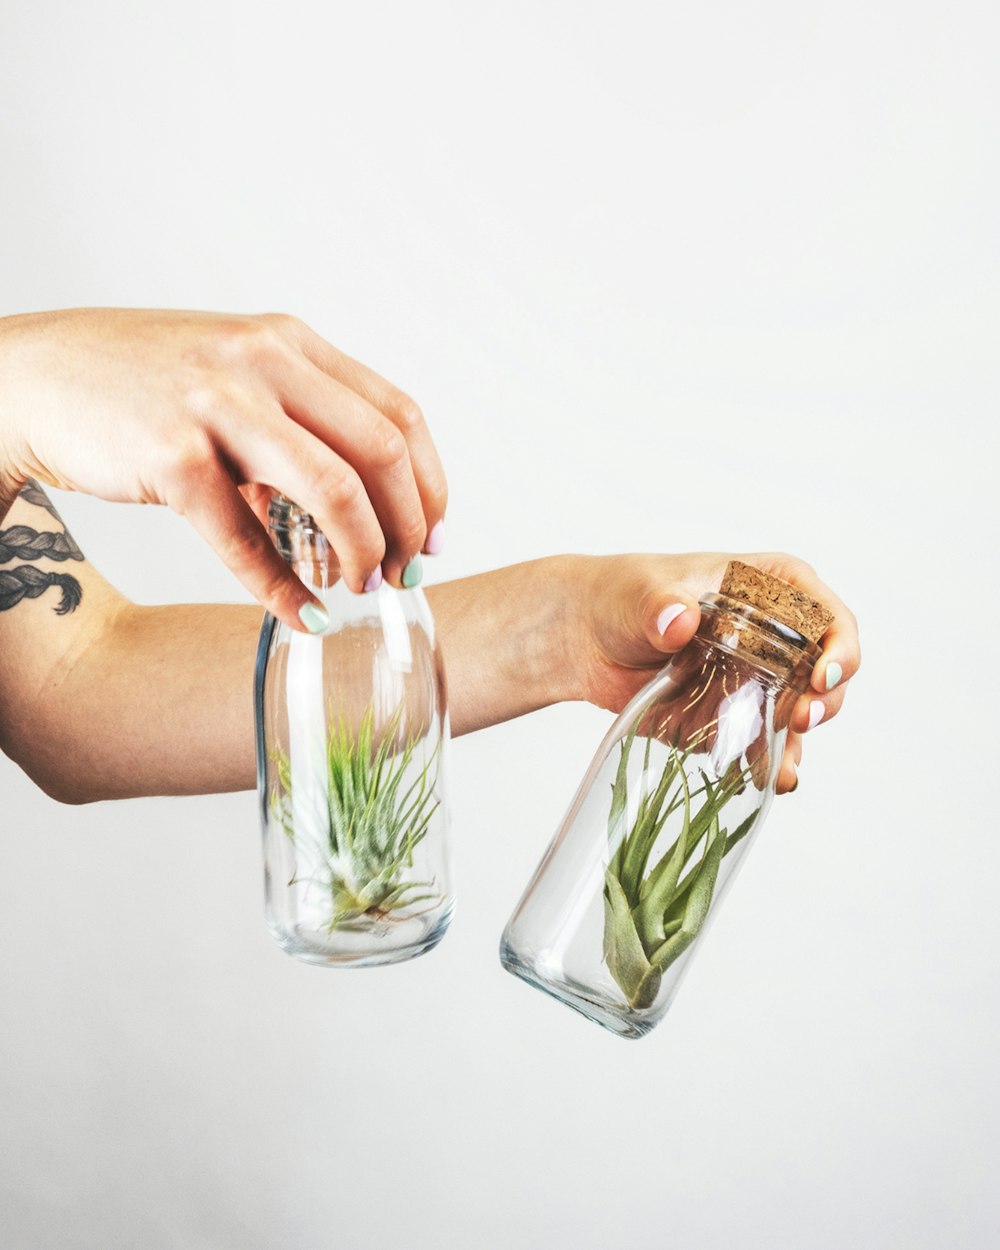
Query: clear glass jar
[
  {"x": 670, "y": 805},
  {"x": 352, "y": 734}
]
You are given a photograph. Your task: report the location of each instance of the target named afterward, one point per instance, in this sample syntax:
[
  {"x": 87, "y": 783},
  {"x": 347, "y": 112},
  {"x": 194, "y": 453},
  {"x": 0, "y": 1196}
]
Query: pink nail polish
[
  {"x": 435, "y": 540},
  {"x": 373, "y": 581},
  {"x": 668, "y": 616},
  {"x": 816, "y": 711}
]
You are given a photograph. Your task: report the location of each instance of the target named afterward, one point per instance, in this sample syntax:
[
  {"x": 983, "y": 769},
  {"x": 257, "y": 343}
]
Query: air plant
[
  {"x": 377, "y": 813},
  {"x": 652, "y": 915}
]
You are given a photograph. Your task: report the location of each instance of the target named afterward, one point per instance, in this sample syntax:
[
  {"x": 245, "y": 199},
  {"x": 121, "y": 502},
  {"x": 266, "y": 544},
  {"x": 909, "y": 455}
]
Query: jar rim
[{"x": 790, "y": 640}]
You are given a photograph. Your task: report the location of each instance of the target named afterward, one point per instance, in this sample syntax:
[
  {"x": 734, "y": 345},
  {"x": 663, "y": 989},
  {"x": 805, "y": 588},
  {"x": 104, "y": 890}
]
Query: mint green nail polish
[
  {"x": 314, "y": 618},
  {"x": 413, "y": 573},
  {"x": 833, "y": 674}
]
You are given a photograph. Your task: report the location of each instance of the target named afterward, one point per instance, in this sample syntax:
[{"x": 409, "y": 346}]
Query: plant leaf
[
  {"x": 700, "y": 898},
  {"x": 623, "y": 951},
  {"x": 619, "y": 796},
  {"x": 662, "y": 881}
]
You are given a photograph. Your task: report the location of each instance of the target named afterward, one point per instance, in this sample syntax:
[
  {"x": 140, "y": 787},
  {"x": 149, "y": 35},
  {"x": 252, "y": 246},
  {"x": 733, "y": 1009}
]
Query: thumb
[{"x": 666, "y": 617}]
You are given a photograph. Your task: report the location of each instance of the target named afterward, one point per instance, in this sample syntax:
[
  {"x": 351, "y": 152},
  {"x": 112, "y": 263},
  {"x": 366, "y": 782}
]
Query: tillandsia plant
[
  {"x": 377, "y": 813},
  {"x": 652, "y": 916},
  {"x": 665, "y": 814}
]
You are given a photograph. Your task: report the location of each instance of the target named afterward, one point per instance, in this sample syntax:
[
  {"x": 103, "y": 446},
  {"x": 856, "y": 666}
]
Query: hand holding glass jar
[
  {"x": 632, "y": 611},
  {"x": 665, "y": 814}
]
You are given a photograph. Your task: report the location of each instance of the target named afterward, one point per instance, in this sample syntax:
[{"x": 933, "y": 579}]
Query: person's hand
[
  {"x": 208, "y": 414},
  {"x": 636, "y": 610}
]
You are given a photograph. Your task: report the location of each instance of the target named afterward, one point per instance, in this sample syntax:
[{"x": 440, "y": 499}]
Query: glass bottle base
[
  {"x": 612, "y": 1016},
  {"x": 366, "y": 946}
]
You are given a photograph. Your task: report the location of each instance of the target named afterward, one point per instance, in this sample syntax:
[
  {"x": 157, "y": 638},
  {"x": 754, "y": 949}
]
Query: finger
[
  {"x": 812, "y": 709},
  {"x": 258, "y": 496},
  {"x": 664, "y": 617},
  {"x": 788, "y": 772},
  {"x": 302, "y": 467},
  {"x": 209, "y": 499},
  {"x": 375, "y": 449},
  {"x": 841, "y": 646},
  {"x": 395, "y": 405}
]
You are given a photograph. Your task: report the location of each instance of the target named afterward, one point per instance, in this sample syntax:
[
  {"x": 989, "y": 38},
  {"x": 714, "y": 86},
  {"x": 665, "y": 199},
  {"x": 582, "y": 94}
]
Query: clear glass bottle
[
  {"x": 670, "y": 805},
  {"x": 352, "y": 734}
]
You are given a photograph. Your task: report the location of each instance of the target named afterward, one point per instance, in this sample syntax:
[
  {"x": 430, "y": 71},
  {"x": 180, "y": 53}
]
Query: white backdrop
[{"x": 663, "y": 277}]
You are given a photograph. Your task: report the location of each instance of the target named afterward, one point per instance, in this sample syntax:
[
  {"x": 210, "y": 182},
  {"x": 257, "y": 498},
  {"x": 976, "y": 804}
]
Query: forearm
[
  {"x": 506, "y": 641},
  {"x": 173, "y": 685},
  {"x": 159, "y": 701}
]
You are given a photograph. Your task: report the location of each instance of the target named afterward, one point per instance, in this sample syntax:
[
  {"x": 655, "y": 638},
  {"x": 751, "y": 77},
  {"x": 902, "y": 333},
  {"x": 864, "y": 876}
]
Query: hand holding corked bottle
[{"x": 668, "y": 808}]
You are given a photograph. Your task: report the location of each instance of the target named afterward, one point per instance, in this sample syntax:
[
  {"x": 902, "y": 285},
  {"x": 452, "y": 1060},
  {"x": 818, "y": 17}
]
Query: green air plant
[
  {"x": 652, "y": 917},
  {"x": 377, "y": 813}
]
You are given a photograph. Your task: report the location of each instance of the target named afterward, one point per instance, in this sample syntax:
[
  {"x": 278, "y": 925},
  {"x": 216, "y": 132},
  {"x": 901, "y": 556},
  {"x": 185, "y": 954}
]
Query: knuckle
[
  {"x": 340, "y": 488},
  {"x": 386, "y": 446},
  {"x": 229, "y": 337},
  {"x": 791, "y": 567},
  {"x": 405, "y": 413},
  {"x": 207, "y": 401},
  {"x": 285, "y": 325},
  {"x": 248, "y": 341}
]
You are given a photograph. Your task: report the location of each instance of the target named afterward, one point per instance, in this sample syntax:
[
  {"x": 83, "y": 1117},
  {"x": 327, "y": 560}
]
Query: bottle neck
[
  {"x": 302, "y": 543},
  {"x": 783, "y": 656}
]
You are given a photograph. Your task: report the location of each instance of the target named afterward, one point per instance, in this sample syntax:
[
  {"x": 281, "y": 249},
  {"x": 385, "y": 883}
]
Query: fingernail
[
  {"x": 314, "y": 617},
  {"x": 413, "y": 573},
  {"x": 435, "y": 540},
  {"x": 816, "y": 710},
  {"x": 833, "y": 674},
  {"x": 373, "y": 581},
  {"x": 669, "y": 615}
]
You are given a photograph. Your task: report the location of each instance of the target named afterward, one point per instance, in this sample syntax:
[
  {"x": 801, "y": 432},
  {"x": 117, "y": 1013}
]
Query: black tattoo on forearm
[
  {"x": 31, "y": 492},
  {"x": 27, "y": 582},
  {"x": 21, "y": 542}
]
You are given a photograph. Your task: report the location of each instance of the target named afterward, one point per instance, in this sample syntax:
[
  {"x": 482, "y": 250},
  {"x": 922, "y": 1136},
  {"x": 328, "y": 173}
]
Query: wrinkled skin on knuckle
[
  {"x": 339, "y": 488},
  {"x": 247, "y": 342},
  {"x": 386, "y": 447},
  {"x": 406, "y": 414}
]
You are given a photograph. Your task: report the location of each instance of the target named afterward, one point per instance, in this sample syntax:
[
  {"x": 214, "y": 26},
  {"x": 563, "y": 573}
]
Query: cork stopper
[
  {"x": 755, "y": 640},
  {"x": 777, "y": 599}
]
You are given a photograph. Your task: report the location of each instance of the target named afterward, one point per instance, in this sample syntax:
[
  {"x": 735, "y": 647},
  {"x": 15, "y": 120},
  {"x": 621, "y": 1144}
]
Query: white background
[{"x": 663, "y": 277}]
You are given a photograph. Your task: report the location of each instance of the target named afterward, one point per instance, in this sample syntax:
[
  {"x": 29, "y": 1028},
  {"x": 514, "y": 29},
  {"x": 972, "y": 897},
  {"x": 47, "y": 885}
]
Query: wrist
[{"x": 569, "y": 580}]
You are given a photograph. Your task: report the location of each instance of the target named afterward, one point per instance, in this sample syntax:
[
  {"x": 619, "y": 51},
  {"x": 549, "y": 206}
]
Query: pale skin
[
  {"x": 206, "y": 413},
  {"x": 114, "y": 700}
]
